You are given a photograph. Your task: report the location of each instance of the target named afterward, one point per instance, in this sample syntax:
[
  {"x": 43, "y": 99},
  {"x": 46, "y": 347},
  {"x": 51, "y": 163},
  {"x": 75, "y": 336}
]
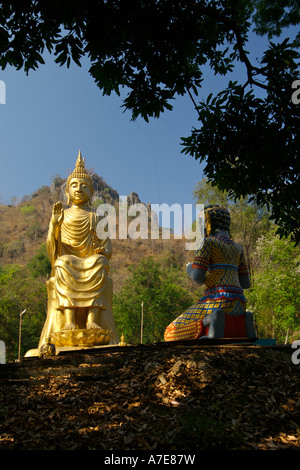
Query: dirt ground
[{"x": 162, "y": 397}]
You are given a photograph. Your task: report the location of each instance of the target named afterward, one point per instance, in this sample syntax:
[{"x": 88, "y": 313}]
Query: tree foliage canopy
[{"x": 157, "y": 50}]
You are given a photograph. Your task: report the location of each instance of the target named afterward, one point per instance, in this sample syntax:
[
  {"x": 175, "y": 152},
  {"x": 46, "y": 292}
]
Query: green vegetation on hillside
[{"x": 160, "y": 287}]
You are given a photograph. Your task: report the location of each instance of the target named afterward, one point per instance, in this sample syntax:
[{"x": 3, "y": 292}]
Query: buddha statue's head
[
  {"x": 217, "y": 220},
  {"x": 79, "y": 188}
]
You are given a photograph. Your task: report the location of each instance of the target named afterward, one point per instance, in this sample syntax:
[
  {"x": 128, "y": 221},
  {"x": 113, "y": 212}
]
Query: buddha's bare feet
[
  {"x": 70, "y": 326},
  {"x": 92, "y": 325}
]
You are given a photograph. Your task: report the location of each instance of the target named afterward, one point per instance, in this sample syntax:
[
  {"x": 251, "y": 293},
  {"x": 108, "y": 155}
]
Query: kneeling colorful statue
[{"x": 221, "y": 266}]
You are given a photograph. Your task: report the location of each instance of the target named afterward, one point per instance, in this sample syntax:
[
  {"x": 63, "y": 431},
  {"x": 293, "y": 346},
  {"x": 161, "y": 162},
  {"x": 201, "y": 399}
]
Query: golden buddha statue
[{"x": 79, "y": 311}]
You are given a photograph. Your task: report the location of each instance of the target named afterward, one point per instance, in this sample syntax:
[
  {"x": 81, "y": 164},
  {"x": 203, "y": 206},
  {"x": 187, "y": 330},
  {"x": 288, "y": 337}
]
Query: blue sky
[{"x": 54, "y": 111}]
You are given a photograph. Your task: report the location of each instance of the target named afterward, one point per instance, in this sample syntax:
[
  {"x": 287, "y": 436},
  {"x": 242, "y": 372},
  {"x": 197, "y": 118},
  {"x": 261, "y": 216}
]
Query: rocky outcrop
[{"x": 133, "y": 198}]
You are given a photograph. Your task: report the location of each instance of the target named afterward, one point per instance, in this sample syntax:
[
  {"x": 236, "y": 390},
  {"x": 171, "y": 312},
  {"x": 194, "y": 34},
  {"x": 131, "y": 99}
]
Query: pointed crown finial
[
  {"x": 80, "y": 163},
  {"x": 79, "y": 172}
]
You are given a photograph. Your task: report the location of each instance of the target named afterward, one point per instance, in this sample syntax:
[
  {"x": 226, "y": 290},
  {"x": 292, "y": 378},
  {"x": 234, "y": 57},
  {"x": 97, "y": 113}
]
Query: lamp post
[
  {"x": 142, "y": 322},
  {"x": 20, "y": 327}
]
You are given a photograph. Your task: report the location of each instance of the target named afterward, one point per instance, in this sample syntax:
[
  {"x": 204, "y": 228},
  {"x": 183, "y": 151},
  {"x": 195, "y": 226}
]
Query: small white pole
[
  {"x": 287, "y": 336},
  {"x": 20, "y": 327},
  {"x": 142, "y": 322}
]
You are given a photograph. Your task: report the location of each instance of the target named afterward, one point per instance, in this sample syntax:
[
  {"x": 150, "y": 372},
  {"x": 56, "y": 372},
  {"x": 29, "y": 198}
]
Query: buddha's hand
[
  {"x": 57, "y": 215},
  {"x": 189, "y": 269}
]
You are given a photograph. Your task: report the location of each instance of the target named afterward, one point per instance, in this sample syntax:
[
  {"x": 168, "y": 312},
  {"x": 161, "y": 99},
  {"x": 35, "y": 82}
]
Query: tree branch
[
  {"x": 194, "y": 102},
  {"x": 232, "y": 26}
]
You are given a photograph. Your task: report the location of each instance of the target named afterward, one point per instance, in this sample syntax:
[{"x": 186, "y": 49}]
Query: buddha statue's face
[{"x": 80, "y": 191}]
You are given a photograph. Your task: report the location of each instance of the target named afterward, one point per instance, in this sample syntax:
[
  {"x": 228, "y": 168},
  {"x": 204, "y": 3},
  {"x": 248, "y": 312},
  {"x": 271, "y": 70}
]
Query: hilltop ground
[{"x": 163, "y": 397}]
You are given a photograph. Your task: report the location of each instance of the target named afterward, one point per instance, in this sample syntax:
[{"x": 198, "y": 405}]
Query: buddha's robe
[
  {"x": 80, "y": 274},
  {"x": 224, "y": 263},
  {"x": 79, "y": 277}
]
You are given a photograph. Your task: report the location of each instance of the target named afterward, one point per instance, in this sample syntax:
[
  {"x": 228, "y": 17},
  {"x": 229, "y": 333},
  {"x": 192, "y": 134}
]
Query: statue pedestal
[
  {"x": 82, "y": 337},
  {"x": 76, "y": 339}
]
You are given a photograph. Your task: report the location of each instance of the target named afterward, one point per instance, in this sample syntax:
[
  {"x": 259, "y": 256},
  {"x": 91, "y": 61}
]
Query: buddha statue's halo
[{"x": 79, "y": 172}]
